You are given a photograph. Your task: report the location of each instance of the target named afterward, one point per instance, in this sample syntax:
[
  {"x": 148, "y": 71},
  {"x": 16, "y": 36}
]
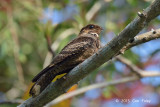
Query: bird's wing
[
  {"x": 41, "y": 73},
  {"x": 70, "y": 51}
]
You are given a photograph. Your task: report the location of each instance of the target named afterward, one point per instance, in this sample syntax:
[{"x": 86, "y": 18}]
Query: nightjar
[{"x": 74, "y": 53}]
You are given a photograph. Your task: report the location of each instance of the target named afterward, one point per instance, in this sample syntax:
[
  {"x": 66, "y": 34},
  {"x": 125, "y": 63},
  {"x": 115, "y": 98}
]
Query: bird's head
[{"x": 91, "y": 28}]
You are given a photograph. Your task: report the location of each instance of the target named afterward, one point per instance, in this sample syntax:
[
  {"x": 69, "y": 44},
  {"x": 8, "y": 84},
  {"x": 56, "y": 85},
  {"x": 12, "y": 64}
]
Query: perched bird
[{"x": 74, "y": 53}]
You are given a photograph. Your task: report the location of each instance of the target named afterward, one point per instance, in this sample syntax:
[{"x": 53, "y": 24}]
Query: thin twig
[
  {"x": 16, "y": 50},
  {"x": 141, "y": 73},
  {"x": 130, "y": 65},
  {"x": 49, "y": 43},
  {"x": 56, "y": 43},
  {"x": 90, "y": 87}
]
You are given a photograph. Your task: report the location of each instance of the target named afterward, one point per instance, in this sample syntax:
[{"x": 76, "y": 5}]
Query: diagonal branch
[
  {"x": 140, "y": 74},
  {"x": 105, "y": 54},
  {"x": 154, "y": 34}
]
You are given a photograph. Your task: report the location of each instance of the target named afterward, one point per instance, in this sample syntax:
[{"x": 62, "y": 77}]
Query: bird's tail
[{"x": 41, "y": 84}]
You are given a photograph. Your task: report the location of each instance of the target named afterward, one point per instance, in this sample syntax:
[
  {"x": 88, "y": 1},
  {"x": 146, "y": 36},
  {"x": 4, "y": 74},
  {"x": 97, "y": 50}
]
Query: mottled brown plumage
[{"x": 75, "y": 52}]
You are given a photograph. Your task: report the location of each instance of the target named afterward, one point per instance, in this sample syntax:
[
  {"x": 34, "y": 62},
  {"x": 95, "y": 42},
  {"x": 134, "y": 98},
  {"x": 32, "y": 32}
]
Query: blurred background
[{"x": 28, "y": 27}]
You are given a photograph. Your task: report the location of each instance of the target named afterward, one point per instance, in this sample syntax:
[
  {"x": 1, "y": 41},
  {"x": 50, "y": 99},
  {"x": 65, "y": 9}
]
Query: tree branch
[
  {"x": 105, "y": 54},
  {"x": 153, "y": 34},
  {"x": 140, "y": 74},
  {"x": 100, "y": 85}
]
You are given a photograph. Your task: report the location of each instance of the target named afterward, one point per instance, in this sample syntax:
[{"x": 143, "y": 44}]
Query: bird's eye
[{"x": 91, "y": 26}]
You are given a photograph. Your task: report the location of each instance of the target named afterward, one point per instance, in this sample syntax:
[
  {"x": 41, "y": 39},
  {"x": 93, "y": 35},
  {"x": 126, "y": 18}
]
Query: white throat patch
[{"x": 95, "y": 34}]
